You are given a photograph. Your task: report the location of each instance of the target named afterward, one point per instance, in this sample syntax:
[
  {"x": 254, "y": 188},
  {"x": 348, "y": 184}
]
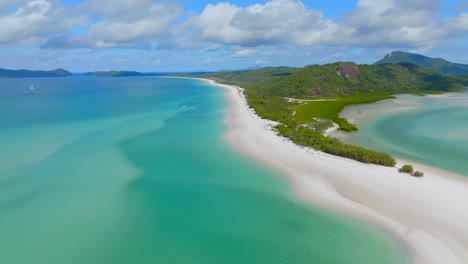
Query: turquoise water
[
  {"x": 135, "y": 170},
  {"x": 434, "y": 132}
]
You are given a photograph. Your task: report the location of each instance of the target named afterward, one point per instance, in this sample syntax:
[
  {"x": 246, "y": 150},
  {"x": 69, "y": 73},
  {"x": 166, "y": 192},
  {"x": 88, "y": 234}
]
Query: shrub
[
  {"x": 407, "y": 169},
  {"x": 307, "y": 137},
  {"x": 418, "y": 174}
]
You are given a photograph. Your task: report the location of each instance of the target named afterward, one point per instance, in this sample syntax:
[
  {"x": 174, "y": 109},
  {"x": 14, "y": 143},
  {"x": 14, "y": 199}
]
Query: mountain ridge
[
  {"x": 340, "y": 78},
  {"x": 438, "y": 65}
]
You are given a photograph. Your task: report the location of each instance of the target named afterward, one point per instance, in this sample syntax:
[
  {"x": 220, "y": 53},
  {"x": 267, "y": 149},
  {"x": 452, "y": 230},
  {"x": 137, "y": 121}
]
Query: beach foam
[{"x": 428, "y": 215}]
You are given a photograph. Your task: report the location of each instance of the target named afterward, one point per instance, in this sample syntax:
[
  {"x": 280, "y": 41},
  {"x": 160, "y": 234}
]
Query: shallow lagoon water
[
  {"x": 431, "y": 129},
  {"x": 117, "y": 170}
]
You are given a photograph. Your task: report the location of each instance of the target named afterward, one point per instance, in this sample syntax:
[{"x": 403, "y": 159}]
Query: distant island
[
  {"x": 123, "y": 74},
  {"x": 116, "y": 74},
  {"x": 7, "y": 73},
  {"x": 33, "y": 74},
  {"x": 434, "y": 64}
]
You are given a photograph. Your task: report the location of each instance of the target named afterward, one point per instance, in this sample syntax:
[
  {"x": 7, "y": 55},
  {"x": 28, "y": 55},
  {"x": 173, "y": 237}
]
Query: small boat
[
  {"x": 32, "y": 87},
  {"x": 183, "y": 106}
]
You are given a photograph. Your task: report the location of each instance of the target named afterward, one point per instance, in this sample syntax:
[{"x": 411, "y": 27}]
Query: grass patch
[{"x": 308, "y": 112}]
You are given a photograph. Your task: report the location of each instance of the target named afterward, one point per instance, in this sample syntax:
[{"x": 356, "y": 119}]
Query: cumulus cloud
[
  {"x": 122, "y": 24},
  {"x": 277, "y": 21},
  {"x": 393, "y": 13},
  {"x": 274, "y": 23},
  {"x": 34, "y": 19},
  {"x": 131, "y": 22},
  {"x": 393, "y": 22}
]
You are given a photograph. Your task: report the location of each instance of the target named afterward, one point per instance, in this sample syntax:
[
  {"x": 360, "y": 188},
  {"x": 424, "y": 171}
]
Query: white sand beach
[{"x": 428, "y": 215}]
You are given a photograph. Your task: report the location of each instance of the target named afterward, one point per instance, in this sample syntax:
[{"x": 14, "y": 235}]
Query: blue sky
[{"x": 185, "y": 35}]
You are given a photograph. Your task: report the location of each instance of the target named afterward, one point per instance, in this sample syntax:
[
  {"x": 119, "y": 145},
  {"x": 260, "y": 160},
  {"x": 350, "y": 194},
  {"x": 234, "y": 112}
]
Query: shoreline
[
  {"x": 426, "y": 215},
  {"x": 360, "y": 114}
]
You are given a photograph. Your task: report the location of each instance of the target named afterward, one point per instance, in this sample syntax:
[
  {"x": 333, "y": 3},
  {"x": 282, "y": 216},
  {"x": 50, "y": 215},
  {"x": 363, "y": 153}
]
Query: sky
[{"x": 204, "y": 35}]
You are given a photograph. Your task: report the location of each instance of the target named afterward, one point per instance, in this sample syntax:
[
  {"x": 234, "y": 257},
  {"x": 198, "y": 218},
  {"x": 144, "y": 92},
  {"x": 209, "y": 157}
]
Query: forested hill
[
  {"x": 435, "y": 64},
  {"x": 339, "y": 79},
  {"x": 277, "y": 93},
  {"x": 4, "y": 73}
]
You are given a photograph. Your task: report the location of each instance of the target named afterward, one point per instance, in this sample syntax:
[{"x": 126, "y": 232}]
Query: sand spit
[{"x": 428, "y": 215}]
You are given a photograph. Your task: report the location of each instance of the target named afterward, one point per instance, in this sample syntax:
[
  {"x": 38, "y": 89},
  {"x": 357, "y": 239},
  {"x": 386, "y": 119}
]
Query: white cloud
[
  {"x": 459, "y": 22},
  {"x": 130, "y": 23},
  {"x": 122, "y": 24},
  {"x": 36, "y": 19},
  {"x": 393, "y": 22},
  {"x": 277, "y": 21},
  {"x": 281, "y": 32},
  {"x": 372, "y": 23},
  {"x": 393, "y": 13},
  {"x": 241, "y": 53}
]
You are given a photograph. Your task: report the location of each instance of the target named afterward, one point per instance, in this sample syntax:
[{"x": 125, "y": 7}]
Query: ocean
[
  {"x": 135, "y": 170},
  {"x": 432, "y": 130}
]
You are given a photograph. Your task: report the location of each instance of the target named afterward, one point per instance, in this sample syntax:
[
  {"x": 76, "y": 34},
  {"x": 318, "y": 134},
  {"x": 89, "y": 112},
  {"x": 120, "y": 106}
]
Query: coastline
[
  {"x": 426, "y": 214},
  {"x": 360, "y": 114}
]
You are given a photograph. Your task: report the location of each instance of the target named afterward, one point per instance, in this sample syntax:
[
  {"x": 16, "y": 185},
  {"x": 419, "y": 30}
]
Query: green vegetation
[
  {"x": 33, "y": 74},
  {"x": 330, "y": 109},
  {"x": 349, "y": 78},
  {"x": 409, "y": 169},
  {"x": 406, "y": 169},
  {"x": 305, "y": 101},
  {"x": 437, "y": 65},
  {"x": 307, "y": 137},
  {"x": 462, "y": 79},
  {"x": 249, "y": 77},
  {"x": 320, "y": 125}
]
